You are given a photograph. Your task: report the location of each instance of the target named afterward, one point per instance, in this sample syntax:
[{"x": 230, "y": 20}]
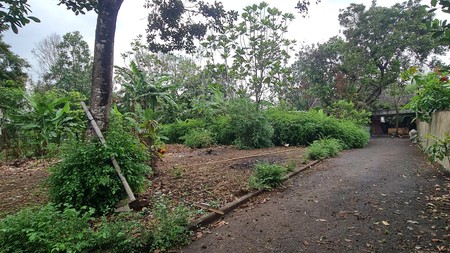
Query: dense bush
[
  {"x": 85, "y": 176},
  {"x": 198, "y": 138},
  {"x": 48, "y": 229},
  {"x": 303, "y": 128},
  {"x": 267, "y": 176},
  {"x": 249, "y": 125},
  {"x": 323, "y": 148},
  {"x": 222, "y": 130},
  {"x": 173, "y": 132}
]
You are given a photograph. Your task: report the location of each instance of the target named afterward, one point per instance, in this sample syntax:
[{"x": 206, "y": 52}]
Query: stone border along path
[{"x": 211, "y": 217}]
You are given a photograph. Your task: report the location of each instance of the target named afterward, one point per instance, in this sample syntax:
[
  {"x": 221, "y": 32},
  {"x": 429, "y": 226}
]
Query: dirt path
[{"x": 384, "y": 198}]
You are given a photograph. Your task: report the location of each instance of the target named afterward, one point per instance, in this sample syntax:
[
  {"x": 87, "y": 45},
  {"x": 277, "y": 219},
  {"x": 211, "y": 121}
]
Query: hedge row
[{"x": 257, "y": 129}]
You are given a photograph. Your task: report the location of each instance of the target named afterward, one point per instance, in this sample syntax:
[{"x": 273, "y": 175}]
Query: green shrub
[
  {"x": 323, "y": 148},
  {"x": 303, "y": 128},
  {"x": 48, "y": 229},
  {"x": 250, "y": 126},
  {"x": 176, "y": 130},
  {"x": 85, "y": 176},
  {"x": 222, "y": 130},
  {"x": 267, "y": 176},
  {"x": 295, "y": 128},
  {"x": 171, "y": 226},
  {"x": 198, "y": 138}
]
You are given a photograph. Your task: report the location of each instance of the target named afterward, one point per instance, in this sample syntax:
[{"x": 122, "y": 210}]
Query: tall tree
[
  {"x": 258, "y": 47},
  {"x": 388, "y": 40},
  {"x": 72, "y": 69},
  {"x": 380, "y": 43}
]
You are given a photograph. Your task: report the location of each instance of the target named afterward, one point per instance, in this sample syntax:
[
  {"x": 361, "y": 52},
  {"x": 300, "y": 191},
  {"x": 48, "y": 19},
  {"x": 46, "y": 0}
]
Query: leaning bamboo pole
[{"x": 113, "y": 159}]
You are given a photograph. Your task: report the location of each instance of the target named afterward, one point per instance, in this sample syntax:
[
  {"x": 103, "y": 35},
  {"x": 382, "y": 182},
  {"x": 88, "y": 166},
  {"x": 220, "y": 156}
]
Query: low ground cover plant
[{"x": 52, "y": 229}]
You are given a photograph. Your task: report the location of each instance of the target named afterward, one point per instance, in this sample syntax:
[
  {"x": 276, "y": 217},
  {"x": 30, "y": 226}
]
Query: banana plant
[{"x": 43, "y": 120}]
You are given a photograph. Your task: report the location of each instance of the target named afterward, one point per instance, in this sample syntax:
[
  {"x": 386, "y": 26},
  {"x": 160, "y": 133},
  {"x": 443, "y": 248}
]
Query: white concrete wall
[{"x": 439, "y": 125}]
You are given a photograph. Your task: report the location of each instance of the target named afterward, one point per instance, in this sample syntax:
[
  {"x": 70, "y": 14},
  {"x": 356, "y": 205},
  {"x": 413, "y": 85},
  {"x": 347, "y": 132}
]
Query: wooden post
[{"x": 113, "y": 159}]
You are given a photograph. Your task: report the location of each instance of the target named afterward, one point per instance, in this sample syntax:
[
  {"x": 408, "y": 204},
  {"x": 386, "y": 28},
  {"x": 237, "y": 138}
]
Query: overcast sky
[{"x": 321, "y": 23}]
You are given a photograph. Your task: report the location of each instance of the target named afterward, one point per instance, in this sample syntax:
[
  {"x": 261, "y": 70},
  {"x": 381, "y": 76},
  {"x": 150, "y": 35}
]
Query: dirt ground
[
  {"x": 384, "y": 198},
  {"x": 21, "y": 184},
  {"x": 209, "y": 177}
]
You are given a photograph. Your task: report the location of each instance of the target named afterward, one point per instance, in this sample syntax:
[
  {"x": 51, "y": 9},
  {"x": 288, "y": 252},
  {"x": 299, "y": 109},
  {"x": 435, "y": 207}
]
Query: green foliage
[
  {"x": 346, "y": 110},
  {"x": 324, "y": 148},
  {"x": 141, "y": 91},
  {"x": 267, "y": 176},
  {"x": 250, "y": 126},
  {"x": 48, "y": 229},
  {"x": 440, "y": 149},
  {"x": 72, "y": 69},
  {"x": 370, "y": 57},
  {"x": 170, "y": 228},
  {"x": 433, "y": 95},
  {"x": 176, "y": 130},
  {"x": 85, "y": 176},
  {"x": 47, "y": 118},
  {"x": 198, "y": 138},
  {"x": 14, "y": 15},
  {"x": 440, "y": 28},
  {"x": 303, "y": 128},
  {"x": 222, "y": 130}
]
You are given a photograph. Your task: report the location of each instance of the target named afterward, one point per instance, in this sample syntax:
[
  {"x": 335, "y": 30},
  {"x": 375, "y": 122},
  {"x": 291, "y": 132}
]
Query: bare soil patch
[
  {"x": 21, "y": 184},
  {"x": 211, "y": 176}
]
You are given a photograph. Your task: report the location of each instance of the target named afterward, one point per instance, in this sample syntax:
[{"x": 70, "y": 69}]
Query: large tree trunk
[{"x": 102, "y": 76}]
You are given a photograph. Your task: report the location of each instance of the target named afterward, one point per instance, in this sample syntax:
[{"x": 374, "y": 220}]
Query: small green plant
[
  {"x": 176, "y": 172},
  {"x": 323, "y": 148},
  {"x": 170, "y": 228},
  {"x": 291, "y": 166},
  {"x": 267, "y": 176},
  {"x": 198, "y": 138},
  {"x": 50, "y": 229},
  {"x": 440, "y": 149}
]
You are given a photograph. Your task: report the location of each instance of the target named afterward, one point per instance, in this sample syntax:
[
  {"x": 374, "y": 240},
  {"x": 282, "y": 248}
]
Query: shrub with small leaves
[
  {"x": 85, "y": 176},
  {"x": 267, "y": 176}
]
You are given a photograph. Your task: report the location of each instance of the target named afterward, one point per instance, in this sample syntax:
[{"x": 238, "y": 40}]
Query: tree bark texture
[{"x": 102, "y": 75}]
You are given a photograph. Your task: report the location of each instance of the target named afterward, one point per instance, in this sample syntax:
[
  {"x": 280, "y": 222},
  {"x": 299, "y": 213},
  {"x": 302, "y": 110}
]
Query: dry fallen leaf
[
  {"x": 322, "y": 220},
  {"x": 385, "y": 223}
]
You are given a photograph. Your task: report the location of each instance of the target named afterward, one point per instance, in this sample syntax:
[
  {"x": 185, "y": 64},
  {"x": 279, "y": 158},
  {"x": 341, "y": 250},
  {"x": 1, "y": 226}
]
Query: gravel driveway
[{"x": 383, "y": 198}]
